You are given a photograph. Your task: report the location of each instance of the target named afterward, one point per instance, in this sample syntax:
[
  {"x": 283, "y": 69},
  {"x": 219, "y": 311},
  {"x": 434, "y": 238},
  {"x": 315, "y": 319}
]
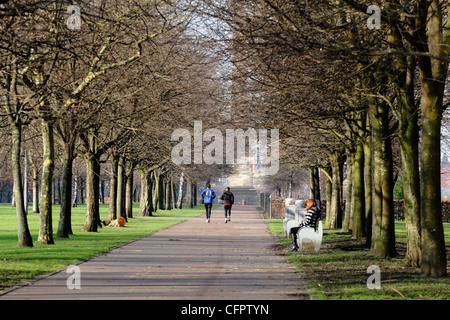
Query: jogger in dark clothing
[
  {"x": 227, "y": 212},
  {"x": 228, "y": 197}
]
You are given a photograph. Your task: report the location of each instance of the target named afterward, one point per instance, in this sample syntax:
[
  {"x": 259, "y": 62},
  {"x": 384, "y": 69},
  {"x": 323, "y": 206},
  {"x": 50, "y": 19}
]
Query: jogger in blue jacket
[{"x": 208, "y": 196}]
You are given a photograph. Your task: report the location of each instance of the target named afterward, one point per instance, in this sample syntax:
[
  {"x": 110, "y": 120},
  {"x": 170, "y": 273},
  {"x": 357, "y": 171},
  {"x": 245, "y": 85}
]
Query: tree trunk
[
  {"x": 24, "y": 236},
  {"x": 434, "y": 261},
  {"x": 161, "y": 192},
  {"x": 316, "y": 184},
  {"x": 112, "y": 208},
  {"x": 155, "y": 186},
  {"x": 25, "y": 183},
  {"x": 146, "y": 201},
  {"x": 328, "y": 194},
  {"x": 155, "y": 178},
  {"x": 12, "y": 108},
  {"x": 368, "y": 189},
  {"x": 173, "y": 199},
  {"x": 35, "y": 189},
  {"x": 83, "y": 192},
  {"x": 180, "y": 192},
  {"x": 65, "y": 225},
  {"x": 102, "y": 191},
  {"x": 129, "y": 193},
  {"x": 383, "y": 233},
  {"x": 358, "y": 197},
  {"x": 335, "y": 213},
  {"x": 168, "y": 194},
  {"x": 346, "y": 225},
  {"x": 13, "y": 197},
  {"x": 92, "y": 221},
  {"x": 121, "y": 189},
  {"x": 403, "y": 76},
  {"x": 433, "y": 74},
  {"x": 75, "y": 193},
  {"x": 46, "y": 229},
  {"x": 313, "y": 183},
  {"x": 194, "y": 194},
  {"x": 189, "y": 193},
  {"x": 56, "y": 191},
  {"x": 409, "y": 148}
]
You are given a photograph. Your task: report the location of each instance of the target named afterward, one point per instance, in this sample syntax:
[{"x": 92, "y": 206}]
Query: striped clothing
[{"x": 311, "y": 218}]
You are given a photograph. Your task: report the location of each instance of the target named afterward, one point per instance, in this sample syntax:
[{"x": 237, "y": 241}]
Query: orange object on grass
[{"x": 121, "y": 221}]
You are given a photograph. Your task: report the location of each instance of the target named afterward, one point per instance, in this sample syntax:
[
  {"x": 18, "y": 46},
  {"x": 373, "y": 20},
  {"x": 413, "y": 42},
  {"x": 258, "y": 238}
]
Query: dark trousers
[
  {"x": 227, "y": 208},
  {"x": 293, "y": 234},
  {"x": 208, "y": 210},
  {"x": 294, "y": 231}
]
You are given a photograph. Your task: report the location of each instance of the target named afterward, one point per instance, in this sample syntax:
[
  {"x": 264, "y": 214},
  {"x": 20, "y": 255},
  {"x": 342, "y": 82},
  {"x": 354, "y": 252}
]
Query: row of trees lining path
[
  {"x": 367, "y": 103},
  {"x": 343, "y": 92},
  {"x": 111, "y": 91}
]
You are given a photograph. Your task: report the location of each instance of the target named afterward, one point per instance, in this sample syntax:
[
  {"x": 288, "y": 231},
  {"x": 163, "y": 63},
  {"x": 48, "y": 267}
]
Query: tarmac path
[{"x": 193, "y": 260}]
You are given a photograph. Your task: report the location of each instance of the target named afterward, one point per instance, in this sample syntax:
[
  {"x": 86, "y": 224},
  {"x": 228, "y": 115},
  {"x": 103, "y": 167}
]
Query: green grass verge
[
  {"x": 17, "y": 265},
  {"x": 338, "y": 270}
]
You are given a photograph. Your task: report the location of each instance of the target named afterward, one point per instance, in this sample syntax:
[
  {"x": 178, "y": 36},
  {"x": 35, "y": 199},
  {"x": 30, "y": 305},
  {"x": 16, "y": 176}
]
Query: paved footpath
[{"x": 193, "y": 260}]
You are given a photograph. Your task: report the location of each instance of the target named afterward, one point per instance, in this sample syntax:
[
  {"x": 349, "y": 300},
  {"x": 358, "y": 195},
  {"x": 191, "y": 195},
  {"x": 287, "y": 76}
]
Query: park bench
[
  {"x": 289, "y": 216},
  {"x": 314, "y": 235},
  {"x": 294, "y": 214}
]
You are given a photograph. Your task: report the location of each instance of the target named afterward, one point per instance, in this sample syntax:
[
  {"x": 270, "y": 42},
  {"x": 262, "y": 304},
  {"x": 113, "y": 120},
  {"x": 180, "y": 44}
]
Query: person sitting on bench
[{"x": 312, "y": 216}]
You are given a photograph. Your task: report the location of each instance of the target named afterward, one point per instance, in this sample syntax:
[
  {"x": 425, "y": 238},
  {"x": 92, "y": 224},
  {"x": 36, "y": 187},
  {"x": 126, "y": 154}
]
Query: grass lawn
[
  {"x": 338, "y": 270},
  {"x": 17, "y": 265}
]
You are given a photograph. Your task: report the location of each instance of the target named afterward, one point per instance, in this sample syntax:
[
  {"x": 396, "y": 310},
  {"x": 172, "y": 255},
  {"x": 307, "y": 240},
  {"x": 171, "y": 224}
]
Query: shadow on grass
[{"x": 339, "y": 271}]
